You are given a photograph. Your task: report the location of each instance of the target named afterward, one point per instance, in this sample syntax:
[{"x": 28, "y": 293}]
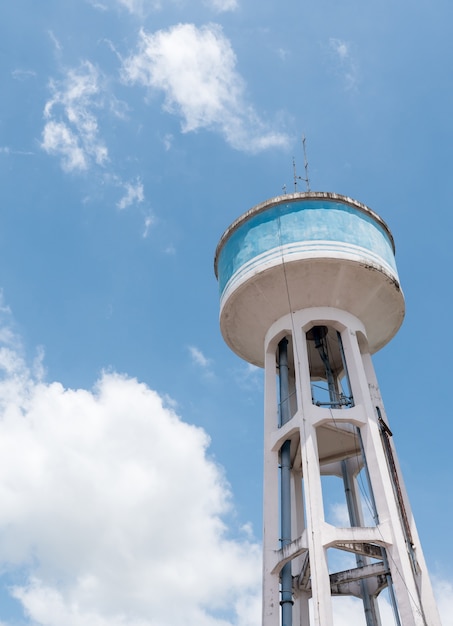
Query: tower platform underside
[{"x": 256, "y": 298}]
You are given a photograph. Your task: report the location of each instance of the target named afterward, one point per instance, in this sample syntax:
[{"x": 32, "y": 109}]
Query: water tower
[{"x": 309, "y": 290}]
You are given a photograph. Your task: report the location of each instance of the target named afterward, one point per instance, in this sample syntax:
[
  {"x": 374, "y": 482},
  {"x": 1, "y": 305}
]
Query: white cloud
[
  {"x": 20, "y": 74},
  {"x": 249, "y": 377},
  {"x": 340, "y": 47},
  {"x": 60, "y": 140},
  {"x": 339, "y": 514},
  {"x": 345, "y": 62},
  {"x": 112, "y": 508},
  {"x": 133, "y": 194},
  {"x": 443, "y": 590},
  {"x": 168, "y": 141},
  {"x": 71, "y": 130},
  {"x": 8, "y": 150},
  {"x": 141, "y": 7},
  {"x": 135, "y": 7},
  {"x": 283, "y": 53},
  {"x": 57, "y": 45},
  {"x": 196, "y": 70},
  {"x": 98, "y": 5},
  {"x": 222, "y": 5},
  {"x": 201, "y": 360},
  {"x": 198, "y": 357},
  {"x": 148, "y": 222}
]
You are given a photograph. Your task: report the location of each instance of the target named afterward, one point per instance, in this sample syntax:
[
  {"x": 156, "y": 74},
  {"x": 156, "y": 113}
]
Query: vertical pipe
[
  {"x": 350, "y": 397},
  {"x": 321, "y": 346},
  {"x": 286, "y": 576},
  {"x": 285, "y": 413},
  {"x": 285, "y": 485}
]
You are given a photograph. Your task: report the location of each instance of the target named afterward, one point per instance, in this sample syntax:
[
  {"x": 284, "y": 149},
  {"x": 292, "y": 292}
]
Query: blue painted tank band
[{"x": 313, "y": 220}]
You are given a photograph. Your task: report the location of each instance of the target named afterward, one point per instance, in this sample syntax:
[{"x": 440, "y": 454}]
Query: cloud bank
[
  {"x": 112, "y": 511},
  {"x": 195, "y": 68}
]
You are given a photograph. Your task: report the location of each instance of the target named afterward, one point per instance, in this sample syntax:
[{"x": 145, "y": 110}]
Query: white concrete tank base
[{"x": 309, "y": 290}]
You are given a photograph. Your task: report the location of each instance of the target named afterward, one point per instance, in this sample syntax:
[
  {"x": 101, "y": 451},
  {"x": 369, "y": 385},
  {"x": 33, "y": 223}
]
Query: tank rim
[{"x": 293, "y": 197}]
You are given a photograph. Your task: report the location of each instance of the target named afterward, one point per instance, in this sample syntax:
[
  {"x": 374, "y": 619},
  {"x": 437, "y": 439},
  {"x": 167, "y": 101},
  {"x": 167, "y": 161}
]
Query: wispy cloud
[
  {"x": 59, "y": 139},
  {"x": 443, "y": 590},
  {"x": 71, "y": 128},
  {"x": 345, "y": 61},
  {"x": 168, "y": 141},
  {"x": 283, "y": 53},
  {"x": 148, "y": 223},
  {"x": 339, "y": 514},
  {"x": 170, "y": 250},
  {"x": 20, "y": 74},
  {"x": 221, "y": 6},
  {"x": 249, "y": 377},
  {"x": 98, "y": 5},
  {"x": 141, "y": 8},
  {"x": 56, "y": 43},
  {"x": 199, "y": 358},
  {"x": 8, "y": 150},
  {"x": 196, "y": 70},
  {"x": 134, "y": 194},
  {"x": 201, "y": 361}
]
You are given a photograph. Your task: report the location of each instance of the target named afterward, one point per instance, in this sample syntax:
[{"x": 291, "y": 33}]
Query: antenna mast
[
  {"x": 295, "y": 176},
  {"x": 306, "y": 180}
]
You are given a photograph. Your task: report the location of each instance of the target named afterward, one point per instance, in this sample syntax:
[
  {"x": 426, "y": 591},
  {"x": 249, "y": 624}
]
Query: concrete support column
[{"x": 271, "y": 590}]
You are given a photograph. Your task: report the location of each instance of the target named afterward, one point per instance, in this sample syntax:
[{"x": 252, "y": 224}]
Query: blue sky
[{"x": 132, "y": 133}]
